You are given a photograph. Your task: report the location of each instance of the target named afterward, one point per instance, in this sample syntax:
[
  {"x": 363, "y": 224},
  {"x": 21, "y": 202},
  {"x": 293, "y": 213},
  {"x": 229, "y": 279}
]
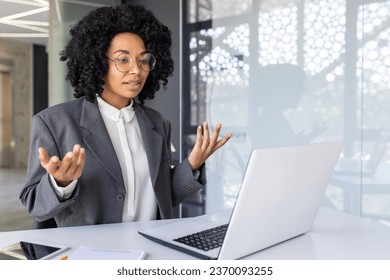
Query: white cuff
[
  {"x": 63, "y": 192},
  {"x": 196, "y": 174}
]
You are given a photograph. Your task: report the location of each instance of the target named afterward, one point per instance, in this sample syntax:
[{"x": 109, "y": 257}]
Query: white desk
[{"x": 335, "y": 236}]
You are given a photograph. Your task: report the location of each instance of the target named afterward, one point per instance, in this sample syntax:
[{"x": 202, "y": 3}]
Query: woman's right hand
[{"x": 66, "y": 170}]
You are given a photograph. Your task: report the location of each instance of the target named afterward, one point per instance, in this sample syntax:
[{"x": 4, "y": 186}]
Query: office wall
[
  {"x": 62, "y": 15},
  {"x": 40, "y": 78},
  {"x": 15, "y": 102}
]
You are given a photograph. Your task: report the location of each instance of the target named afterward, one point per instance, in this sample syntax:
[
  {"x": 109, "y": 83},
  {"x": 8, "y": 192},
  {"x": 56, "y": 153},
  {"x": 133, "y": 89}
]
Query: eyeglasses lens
[{"x": 125, "y": 62}]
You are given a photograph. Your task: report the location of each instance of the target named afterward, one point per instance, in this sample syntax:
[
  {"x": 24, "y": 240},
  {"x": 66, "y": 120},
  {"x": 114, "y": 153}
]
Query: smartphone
[{"x": 24, "y": 250}]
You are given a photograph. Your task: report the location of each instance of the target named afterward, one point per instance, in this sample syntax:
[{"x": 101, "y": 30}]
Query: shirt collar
[{"x": 115, "y": 114}]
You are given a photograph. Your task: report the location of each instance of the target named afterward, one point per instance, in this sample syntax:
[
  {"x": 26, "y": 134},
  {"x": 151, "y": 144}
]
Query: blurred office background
[{"x": 273, "y": 72}]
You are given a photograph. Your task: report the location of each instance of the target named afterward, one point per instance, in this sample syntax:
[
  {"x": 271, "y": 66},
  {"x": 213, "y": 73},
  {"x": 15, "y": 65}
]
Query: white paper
[{"x": 92, "y": 253}]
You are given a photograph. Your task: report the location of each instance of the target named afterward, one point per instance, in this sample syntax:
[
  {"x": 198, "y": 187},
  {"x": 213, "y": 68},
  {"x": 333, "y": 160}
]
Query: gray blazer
[{"x": 99, "y": 195}]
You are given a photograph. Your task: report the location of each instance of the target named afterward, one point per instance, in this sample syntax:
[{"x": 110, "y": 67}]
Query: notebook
[
  {"x": 355, "y": 166},
  {"x": 94, "y": 253},
  {"x": 279, "y": 197}
]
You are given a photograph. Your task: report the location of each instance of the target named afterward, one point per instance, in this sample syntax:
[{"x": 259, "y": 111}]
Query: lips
[{"x": 132, "y": 83}]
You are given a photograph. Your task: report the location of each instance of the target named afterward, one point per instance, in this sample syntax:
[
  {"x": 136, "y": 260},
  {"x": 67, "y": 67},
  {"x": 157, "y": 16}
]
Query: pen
[{"x": 64, "y": 258}]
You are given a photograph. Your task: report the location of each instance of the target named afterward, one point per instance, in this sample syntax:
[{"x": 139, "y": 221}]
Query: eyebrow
[{"x": 127, "y": 52}]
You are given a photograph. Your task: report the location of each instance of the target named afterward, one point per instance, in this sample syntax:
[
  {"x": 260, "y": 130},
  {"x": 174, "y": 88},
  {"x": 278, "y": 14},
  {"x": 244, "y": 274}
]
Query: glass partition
[{"x": 279, "y": 73}]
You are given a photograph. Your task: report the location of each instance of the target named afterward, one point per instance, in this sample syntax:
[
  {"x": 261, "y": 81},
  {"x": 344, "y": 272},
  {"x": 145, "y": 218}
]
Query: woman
[{"x": 105, "y": 157}]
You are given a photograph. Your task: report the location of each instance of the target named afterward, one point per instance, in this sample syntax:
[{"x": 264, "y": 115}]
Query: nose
[{"x": 134, "y": 68}]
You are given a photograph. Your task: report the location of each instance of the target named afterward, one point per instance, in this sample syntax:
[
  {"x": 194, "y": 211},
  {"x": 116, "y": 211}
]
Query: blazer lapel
[
  {"x": 98, "y": 141},
  {"x": 153, "y": 142}
]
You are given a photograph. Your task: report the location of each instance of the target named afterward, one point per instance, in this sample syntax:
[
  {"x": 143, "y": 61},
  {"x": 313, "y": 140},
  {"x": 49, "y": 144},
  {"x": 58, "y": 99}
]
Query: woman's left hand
[{"x": 205, "y": 146}]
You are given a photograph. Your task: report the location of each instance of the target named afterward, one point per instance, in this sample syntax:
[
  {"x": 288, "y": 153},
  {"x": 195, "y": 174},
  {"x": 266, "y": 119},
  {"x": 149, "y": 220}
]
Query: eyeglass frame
[{"x": 133, "y": 61}]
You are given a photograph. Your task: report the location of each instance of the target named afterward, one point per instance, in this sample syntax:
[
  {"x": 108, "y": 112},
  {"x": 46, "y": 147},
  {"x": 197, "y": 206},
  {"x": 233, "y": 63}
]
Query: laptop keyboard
[{"x": 205, "y": 240}]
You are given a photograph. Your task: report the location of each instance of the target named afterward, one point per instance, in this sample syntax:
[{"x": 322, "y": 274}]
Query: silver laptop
[{"x": 279, "y": 197}]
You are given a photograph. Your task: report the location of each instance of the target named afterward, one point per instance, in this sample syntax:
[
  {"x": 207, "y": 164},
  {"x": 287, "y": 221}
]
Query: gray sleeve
[{"x": 37, "y": 194}]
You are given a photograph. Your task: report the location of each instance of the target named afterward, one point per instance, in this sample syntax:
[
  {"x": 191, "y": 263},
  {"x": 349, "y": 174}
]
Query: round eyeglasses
[{"x": 124, "y": 62}]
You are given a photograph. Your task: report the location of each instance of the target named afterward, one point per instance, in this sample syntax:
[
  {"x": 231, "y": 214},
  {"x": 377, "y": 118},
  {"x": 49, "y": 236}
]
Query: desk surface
[{"x": 335, "y": 236}]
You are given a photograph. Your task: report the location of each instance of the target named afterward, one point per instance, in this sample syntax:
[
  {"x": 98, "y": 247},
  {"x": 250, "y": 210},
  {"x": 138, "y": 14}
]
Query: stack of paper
[{"x": 91, "y": 253}]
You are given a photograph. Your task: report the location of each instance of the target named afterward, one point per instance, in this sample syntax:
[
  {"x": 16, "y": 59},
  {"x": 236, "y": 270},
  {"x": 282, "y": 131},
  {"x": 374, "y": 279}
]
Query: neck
[{"x": 118, "y": 103}]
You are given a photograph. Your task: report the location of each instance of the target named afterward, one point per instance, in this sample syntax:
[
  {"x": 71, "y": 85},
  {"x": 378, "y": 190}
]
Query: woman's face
[{"x": 120, "y": 87}]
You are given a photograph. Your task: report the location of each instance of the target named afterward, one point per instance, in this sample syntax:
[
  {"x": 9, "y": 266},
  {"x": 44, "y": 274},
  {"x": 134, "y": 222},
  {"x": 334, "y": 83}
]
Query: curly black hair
[{"x": 86, "y": 51}]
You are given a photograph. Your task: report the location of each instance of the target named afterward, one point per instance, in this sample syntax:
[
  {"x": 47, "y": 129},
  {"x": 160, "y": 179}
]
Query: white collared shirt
[{"x": 125, "y": 134}]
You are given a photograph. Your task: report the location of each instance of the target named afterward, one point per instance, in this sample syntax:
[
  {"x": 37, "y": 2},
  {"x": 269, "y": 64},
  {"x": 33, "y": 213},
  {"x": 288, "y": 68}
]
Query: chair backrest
[{"x": 51, "y": 223}]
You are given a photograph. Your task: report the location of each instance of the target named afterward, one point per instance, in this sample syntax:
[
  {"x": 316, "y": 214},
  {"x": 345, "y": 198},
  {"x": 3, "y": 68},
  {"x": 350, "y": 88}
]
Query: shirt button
[{"x": 119, "y": 197}]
